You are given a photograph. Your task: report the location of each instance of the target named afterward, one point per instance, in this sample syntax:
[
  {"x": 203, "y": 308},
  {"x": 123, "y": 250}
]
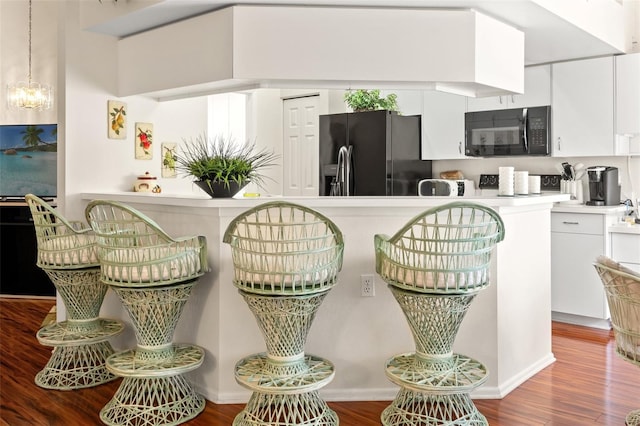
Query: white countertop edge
[
  {"x": 583, "y": 208},
  {"x": 197, "y": 201},
  {"x": 625, "y": 229}
]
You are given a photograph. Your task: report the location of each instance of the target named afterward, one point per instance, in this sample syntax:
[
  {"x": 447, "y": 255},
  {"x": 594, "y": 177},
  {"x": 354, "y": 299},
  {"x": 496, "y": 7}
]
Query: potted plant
[
  {"x": 221, "y": 166},
  {"x": 370, "y": 100}
]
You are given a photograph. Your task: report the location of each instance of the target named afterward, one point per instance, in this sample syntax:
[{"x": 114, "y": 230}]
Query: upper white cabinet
[
  {"x": 582, "y": 108},
  {"x": 628, "y": 104},
  {"x": 443, "y": 126},
  {"x": 537, "y": 92}
]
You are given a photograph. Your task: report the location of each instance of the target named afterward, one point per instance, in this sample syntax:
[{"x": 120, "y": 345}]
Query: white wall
[{"x": 92, "y": 160}]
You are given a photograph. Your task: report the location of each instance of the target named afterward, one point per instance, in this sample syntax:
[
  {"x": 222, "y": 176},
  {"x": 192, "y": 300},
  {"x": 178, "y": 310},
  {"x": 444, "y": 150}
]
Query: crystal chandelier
[{"x": 29, "y": 95}]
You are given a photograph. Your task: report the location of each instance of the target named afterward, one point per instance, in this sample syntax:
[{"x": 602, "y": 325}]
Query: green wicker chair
[
  {"x": 153, "y": 274},
  {"x": 67, "y": 254},
  {"x": 622, "y": 287},
  {"x": 286, "y": 258},
  {"x": 435, "y": 266}
]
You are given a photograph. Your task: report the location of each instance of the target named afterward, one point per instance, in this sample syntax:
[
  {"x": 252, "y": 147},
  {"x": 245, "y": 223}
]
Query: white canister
[
  {"x": 506, "y": 181},
  {"x": 534, "y": 184},
  {"x": 521, "y": 184}
]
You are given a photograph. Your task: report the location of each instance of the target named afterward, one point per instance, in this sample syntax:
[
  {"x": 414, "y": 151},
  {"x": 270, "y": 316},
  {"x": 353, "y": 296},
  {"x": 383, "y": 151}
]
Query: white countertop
[
  {"x": 205, "y": 201},
  {"x": 623, "y": 228}
]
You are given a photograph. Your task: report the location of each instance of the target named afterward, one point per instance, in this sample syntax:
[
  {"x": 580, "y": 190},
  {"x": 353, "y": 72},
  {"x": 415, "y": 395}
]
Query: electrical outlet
[{"x": 367, "y": 287}]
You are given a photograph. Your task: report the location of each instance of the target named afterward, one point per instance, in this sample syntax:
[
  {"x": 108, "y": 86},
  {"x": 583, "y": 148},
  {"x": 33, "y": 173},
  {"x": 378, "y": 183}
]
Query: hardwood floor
[{"x": 588, "y": 384}]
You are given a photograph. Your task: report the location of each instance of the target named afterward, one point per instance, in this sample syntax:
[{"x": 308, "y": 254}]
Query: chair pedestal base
[
  {"x": 80, "y": 343},
  {"x": 411, "y": 408},
  {"x": 266, "y": 409},
  {"x": 633, "y": 418},
  {"x": 154, "y": 390},
  {"x": 153, "y": 401},
  {"x": 76, "y": 367}
]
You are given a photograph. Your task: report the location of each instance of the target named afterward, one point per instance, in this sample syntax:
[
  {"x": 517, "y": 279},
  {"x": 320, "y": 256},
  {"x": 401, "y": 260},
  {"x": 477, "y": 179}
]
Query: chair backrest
[
  {"x": 446, "y": 249},
  {"x": 134, "y": 250},
  {"x": 622, "y": 287},
  {"x": 281, "y": 248},
  {"x": 62, "y": 244}
]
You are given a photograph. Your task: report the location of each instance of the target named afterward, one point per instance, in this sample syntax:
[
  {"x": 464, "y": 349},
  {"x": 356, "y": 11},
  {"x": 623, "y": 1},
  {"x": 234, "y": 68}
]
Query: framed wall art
[
  {"x": 144, "y": 141},
  {"x": 168, "y": 165},
  {"x": 117, "y": 120}
]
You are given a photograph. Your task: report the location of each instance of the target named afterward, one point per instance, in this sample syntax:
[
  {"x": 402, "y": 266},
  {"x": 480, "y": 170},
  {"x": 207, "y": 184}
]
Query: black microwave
[{"x": 508, "y": 132}]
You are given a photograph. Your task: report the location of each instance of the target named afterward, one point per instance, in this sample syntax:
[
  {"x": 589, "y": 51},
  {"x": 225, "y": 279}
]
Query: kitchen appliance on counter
[
  {"x": 446, "y": 188},
  {"x": 508, "y": 132},
  {"x": 604, "y": 189},
  {"x": 371, "y": 153}
]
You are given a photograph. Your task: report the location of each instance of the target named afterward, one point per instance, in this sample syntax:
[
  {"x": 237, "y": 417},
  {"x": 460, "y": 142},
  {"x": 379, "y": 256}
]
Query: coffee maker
[{"x": 603, "y": 186}]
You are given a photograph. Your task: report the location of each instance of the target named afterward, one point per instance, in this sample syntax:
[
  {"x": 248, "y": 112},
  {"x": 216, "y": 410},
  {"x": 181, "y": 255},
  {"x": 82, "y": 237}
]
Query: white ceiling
[{"x": 548, "y": 38}]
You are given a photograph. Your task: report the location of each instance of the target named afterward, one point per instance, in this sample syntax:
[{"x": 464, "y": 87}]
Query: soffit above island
[{"x": 243, "y": 47}]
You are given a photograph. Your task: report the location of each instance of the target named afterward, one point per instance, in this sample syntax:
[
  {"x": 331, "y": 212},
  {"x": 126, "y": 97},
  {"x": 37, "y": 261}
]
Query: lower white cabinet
[
  {"x": 577, "y": 239},
  {"x": 625, "y": 248}
]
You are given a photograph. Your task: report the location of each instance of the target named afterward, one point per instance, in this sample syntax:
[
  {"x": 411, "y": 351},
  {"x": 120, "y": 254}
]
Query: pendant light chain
[{"x": 29, "y": 42}]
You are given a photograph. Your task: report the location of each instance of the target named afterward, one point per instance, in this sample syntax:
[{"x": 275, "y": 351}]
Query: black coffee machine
[{"x": 603, "y": 186}]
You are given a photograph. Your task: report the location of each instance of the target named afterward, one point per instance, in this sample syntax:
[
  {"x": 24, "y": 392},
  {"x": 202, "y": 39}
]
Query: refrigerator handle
[
  {"x": 340, "y": 171},
  {"x": 349, "y": 171}
]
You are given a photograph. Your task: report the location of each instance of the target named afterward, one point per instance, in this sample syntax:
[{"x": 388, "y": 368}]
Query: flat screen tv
[{"x": 28, "y": 160}]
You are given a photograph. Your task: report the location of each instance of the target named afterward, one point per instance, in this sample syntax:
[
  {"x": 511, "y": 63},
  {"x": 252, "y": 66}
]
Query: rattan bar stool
[
  {"x": 622, "y": 287},
  {"x": 435, "y": 266},
  {"x": 286, "y": 258},
  {"x": 153, "y": 274},
  {"x": 67, "y": 254}
]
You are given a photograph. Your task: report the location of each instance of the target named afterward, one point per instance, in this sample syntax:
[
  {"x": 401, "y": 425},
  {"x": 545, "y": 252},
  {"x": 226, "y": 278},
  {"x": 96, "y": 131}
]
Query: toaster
[
  {"x": 446, "y": 188},
  {"x": 438, "y": 188}
]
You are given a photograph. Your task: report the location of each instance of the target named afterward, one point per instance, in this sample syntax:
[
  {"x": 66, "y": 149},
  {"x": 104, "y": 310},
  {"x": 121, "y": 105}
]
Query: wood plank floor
[{"x": 588, "y": 384}]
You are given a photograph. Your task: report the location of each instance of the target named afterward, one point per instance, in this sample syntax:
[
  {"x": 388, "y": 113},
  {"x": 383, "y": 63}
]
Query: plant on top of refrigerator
[{"x": 370, "y": 100}]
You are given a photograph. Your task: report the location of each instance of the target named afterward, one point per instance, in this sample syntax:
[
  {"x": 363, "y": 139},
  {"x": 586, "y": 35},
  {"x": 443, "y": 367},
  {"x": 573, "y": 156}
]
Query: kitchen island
[{"x": 508, "y": 326}]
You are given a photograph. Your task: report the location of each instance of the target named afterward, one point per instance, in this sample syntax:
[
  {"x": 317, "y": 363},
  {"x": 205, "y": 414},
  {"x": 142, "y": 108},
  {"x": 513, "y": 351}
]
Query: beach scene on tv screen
[{"x": 28, "y": 160}]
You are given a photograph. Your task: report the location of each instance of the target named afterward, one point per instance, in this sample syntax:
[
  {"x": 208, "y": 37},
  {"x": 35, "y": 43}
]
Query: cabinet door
[
  {"x": 582, "y": 108},
  {"x": 487, "y": 103},
  {"x": 537, "y": 88},
  {"x": 409, "y": 101},
  {"x": 575, "y": 286},
  {"x": 537, "y": 92},
  {"x": 443, "y": 126},
  {"x": 628, "y": 94}
]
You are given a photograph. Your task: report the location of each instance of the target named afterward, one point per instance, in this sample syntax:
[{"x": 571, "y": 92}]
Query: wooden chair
[
  {"x": 153, "y": 274},
  {"x": 286, "y": 258},
  {"x": 622, "y": 287},
  {"x": 435, "y": 266},
  {"x": 67, "y": 254}
]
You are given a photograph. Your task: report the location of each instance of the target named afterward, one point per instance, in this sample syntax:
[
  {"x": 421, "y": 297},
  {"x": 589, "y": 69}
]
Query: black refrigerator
[{"x": 371, "y": 153}]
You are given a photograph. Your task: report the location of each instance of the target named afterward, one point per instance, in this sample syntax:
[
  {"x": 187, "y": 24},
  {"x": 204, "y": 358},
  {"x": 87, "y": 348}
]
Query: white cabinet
[
  {"x": 443, "y": 126},
  {"x": 582, "y": 108},
  {"x": 537, "y": 92},
  {"x": 442, "y": 121},
  {"x": 628, "y": 104},
  {"x": 625, "y": 248},
  {"x": 577, "y": 239}
]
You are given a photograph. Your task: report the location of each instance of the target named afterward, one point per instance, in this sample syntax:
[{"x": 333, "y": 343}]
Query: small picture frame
[
  {"x": 168, "y": 161},
  {"x": 116, "y": 120},
  {"x": 144, "y": 141}
]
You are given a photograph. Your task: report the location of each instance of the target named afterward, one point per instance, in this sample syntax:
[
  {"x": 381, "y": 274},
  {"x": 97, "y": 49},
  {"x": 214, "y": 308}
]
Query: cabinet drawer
[
  {"x": 577, "y": 223},
  {"x": 625, "y": 248}
]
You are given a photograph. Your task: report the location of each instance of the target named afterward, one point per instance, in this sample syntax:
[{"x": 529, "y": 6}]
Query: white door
[{"x": 300, "y": 153}]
